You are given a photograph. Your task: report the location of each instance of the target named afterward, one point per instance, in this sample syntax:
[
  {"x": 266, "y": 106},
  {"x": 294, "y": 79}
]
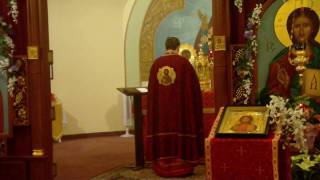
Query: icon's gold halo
[
  {"x": 280, "y": 22},
  {"x": 190, "y": 48}
]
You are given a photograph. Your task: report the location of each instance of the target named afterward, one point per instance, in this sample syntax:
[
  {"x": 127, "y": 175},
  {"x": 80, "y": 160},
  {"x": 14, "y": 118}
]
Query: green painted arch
[{"x": 132, "y": 41}]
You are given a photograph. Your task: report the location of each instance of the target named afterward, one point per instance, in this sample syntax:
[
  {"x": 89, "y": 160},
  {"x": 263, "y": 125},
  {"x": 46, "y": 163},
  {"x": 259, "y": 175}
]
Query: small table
[{"x": 133, "y": 91}]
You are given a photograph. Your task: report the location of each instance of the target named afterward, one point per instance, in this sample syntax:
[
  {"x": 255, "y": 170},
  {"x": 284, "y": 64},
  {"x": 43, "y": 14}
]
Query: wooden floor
[{"x": 82, "y": 159}]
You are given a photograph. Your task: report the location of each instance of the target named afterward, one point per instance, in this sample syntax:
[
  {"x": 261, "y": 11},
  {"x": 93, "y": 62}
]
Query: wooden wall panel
[
  {"x": 20, "y": 144},
  {"x": 38, "y": 169},
  {"x": 221, "y": 27},
  {"x": 23, "y": 168},
  {"x": 20, "y": 34},
  {"x": 13, "y": 170},
  {"x": 35, "y": 111},
  {"x": 32, "y": 30}
]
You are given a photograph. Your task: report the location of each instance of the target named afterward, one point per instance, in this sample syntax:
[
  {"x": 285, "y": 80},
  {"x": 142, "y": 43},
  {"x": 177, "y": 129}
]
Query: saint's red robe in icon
[{"x": 174, "y": 127}]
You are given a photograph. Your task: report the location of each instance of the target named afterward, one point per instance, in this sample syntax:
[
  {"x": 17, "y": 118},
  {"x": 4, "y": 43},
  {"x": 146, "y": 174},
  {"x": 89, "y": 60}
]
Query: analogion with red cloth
[
  {"x": 246, "y": 158},
  {"x": 174, "y": 127}
]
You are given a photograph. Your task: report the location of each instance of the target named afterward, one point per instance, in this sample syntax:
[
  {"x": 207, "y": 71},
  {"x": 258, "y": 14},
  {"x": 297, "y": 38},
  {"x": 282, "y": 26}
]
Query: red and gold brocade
[{"x": 280, "y": 77}]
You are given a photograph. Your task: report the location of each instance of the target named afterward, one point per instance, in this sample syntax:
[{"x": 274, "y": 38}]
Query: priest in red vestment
[{"x": 174, "y": 127}]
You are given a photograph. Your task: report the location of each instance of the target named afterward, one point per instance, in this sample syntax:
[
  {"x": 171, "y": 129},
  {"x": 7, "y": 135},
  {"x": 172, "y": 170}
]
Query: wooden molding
[{"x": 91, "y": 135}]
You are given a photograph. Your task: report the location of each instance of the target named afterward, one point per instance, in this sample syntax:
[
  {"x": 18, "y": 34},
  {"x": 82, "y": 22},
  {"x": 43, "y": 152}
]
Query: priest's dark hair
[{"x": 172, "y": 43}]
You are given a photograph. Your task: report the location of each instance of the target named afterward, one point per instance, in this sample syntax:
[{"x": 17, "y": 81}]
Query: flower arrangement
[
  {"x": 7, "y": 46},
  {"x": 305, "y": 166},
  {"x": 13, "y": 10},
  {"x": 289, "y": 121},
  {"x": 238, "y": 4},
  {"x": 6, "y": 53},
  {"x": 245, "y": 59}
]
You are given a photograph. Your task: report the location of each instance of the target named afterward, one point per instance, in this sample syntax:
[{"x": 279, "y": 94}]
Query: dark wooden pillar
[
  {"x": 29, "y": 150},
  {"x": 221, "y": 27},
  {"x": 39, "y": 88}
]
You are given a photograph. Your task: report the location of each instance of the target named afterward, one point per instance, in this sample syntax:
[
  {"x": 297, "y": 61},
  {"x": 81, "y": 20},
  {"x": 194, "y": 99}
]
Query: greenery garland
[
  {"x": 238, "y": 4},
  {"x": 305, "y": 167},
  {"x": 7, "y": 45},
  {"x": 245, "y": 58},
  {"x": 13, "y": 10}
]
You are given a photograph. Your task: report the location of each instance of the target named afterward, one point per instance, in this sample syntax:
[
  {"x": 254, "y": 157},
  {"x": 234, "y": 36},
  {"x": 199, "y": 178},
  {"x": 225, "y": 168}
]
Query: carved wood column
[
  {"x": 39, "y": 85},
  {"x": 221, "y": 27}
]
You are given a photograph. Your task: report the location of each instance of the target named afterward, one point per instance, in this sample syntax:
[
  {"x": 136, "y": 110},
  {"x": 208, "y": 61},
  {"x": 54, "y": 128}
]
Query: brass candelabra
[{"x": 204, "y": 70}]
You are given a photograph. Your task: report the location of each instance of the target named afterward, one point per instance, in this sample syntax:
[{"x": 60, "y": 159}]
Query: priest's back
[{"x": 174, "y": 127}]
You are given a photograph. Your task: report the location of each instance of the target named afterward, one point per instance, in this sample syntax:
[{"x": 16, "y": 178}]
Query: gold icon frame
[{"x": 231, "y": 116}]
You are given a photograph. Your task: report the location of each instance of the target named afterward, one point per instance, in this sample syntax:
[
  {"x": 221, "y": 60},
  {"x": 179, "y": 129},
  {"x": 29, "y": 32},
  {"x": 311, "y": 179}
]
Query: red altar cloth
[
  {"x": 208, "y": 113},
  {"x": 208, "y": 110},
  {"x": 246, "y": 159}
]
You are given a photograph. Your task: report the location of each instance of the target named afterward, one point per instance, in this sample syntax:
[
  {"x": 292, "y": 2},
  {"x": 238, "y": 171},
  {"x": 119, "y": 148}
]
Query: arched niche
[
  {"x": 149, "y": 24},
  {"x": 132, "y": 39}
]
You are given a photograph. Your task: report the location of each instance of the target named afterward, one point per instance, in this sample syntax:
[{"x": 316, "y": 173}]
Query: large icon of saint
[{"x": 302, "y": 27}]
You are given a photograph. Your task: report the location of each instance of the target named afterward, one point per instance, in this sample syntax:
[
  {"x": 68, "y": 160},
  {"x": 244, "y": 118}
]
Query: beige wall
[{"x": 87, "y": 37}]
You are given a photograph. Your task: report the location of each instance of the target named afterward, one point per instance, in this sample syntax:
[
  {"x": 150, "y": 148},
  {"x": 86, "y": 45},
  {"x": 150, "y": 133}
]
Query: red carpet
[{"x": 83, "y": 159}]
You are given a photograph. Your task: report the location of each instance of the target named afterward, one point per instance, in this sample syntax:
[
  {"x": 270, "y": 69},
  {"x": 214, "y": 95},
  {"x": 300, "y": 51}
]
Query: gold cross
[
  {"x": 241, "y": 150},
  {"x": 225, "y": 167},
  {"x": 260, "y": 170}
]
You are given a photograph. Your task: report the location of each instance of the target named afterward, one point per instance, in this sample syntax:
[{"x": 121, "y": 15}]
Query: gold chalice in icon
[{"x": 300, "y": 62}]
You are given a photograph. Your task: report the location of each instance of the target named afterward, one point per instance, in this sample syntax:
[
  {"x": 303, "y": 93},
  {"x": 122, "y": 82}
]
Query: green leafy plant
[{"x": 306, "y": 167}]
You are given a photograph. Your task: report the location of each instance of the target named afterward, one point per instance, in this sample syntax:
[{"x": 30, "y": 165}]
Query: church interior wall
[
  {"x": 91, "y": 61},
  {"x": 178, "y": 25},
  {"x": 87, "y": 38}
]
